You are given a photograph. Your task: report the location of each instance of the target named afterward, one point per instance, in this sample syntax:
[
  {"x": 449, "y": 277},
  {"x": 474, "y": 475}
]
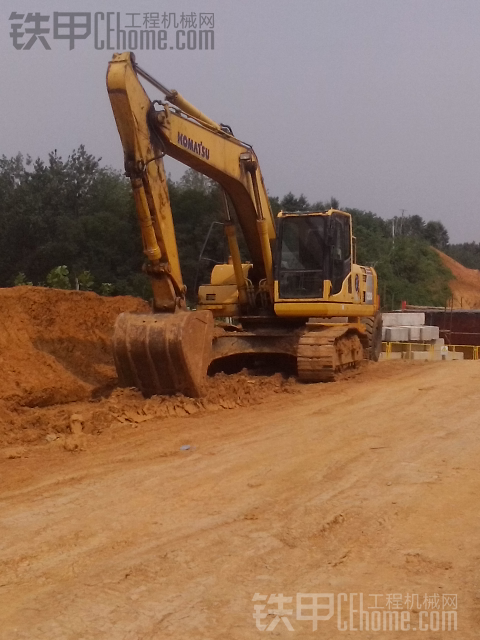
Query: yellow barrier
[
  {"x": 470, "y": 352},
  {"x": 466, "y": 349}
]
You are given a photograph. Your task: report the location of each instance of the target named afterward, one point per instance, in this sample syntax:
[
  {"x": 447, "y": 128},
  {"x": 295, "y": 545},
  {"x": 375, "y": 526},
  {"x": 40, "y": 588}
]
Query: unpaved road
[{"x": 368, "y": 485}]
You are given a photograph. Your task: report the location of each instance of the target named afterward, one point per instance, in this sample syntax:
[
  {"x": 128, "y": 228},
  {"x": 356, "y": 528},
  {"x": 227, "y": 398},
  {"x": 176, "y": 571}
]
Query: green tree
[
  {"x": 21, "y": 280},
  {"x": 467, "y": 253},
  {"x": 436, "y": 234},
  {"x": 75, "y": 213},
  {"x": 289, "y": 202},
  {"x": 58, "y": 278},
  {"x": 85, "y": 281}
]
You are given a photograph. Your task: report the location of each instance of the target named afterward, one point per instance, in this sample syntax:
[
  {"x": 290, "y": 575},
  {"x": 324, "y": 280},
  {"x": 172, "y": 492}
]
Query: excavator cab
[
  {"x": 314, "y": 255},
  {"x": 301, "y": 256}
]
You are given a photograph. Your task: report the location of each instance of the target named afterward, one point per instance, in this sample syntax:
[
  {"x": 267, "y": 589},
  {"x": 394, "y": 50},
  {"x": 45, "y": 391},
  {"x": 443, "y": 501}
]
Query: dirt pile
[
  {"x": 21, "y": 425},
  {"x": 465, "y": 284},
  {"x": 223, "y": 392},
  {"x": 55, "y": 345},
  {"x": 56, "y": 361}
]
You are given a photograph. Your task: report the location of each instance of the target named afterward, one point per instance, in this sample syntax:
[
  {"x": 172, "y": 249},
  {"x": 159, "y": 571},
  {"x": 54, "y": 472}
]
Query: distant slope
[{"x": 465, "y": 284}]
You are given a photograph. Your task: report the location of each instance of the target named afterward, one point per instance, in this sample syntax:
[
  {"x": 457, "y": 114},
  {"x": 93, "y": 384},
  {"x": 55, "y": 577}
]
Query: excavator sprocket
[
  {"x": 324, "y": 353},
  {"x": 163, "y": 353}
]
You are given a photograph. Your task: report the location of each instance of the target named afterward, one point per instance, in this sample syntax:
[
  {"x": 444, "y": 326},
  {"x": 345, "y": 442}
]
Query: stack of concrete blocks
[{"x": 410, "y": 327}]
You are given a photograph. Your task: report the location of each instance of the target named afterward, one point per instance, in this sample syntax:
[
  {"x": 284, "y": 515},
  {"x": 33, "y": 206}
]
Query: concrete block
[
  {"x": 394, "y": 355},
  {"x": 417, "y": 355},
  {"x": 396, "y": 334},
  {"x": 414, "y": 334},
  {"x": 443, "y": 354},
  {"x": 429, "y": 333},
  {"x": 384, "y": 334},
  {"x": 440, "y": 341},
  {"x": 457, "y": 355},
  {"x": 410, "y": 319}
]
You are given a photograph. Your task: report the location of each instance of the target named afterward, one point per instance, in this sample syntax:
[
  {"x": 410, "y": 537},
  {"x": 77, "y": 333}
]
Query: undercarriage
[{"x": 171, "y": 353}]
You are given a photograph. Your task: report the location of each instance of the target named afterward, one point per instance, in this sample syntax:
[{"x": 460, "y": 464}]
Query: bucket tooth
[{"x": 164, "y": 353}]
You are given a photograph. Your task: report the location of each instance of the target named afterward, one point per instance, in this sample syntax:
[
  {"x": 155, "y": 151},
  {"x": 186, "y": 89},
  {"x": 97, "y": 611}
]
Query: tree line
[{"x": 71, "y": 223}]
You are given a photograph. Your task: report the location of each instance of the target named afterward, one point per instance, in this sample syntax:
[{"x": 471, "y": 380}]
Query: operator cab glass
[
  {"x": 313, "y": 248},
  {"x": 302, "y": 257}
]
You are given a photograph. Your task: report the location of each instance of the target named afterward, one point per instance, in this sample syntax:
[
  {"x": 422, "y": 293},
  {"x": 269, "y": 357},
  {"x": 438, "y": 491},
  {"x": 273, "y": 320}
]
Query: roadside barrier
[{"x": 470, "y": 352}]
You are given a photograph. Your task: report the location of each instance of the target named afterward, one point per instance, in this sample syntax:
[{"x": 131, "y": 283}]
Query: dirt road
[{"x": 369, "y": 485}]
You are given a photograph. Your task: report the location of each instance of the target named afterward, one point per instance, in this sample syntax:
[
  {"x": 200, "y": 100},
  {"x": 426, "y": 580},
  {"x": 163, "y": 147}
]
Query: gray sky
[{"x": 375, "y": 102}]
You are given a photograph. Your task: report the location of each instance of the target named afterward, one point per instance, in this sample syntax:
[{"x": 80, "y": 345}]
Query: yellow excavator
[{"x": 300, "y": 298}]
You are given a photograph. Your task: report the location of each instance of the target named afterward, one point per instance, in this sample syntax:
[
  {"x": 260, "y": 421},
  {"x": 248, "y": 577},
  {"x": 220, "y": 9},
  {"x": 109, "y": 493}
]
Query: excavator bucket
[{"x": 164, "y": 353}]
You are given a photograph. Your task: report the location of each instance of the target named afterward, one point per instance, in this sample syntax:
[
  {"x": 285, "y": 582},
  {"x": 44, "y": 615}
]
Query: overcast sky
[{"x": 375, "y": 102}]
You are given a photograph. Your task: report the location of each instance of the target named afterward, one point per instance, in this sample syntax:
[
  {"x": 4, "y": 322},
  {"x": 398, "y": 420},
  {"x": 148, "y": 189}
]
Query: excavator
[{"x": 299, "y": 298}]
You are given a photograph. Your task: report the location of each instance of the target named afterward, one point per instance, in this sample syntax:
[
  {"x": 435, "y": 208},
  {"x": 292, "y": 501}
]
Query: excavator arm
[
  {"x": 169, "y": 351},
  {"x": 181, "y": 131},
  {"x": 144, "y": 166}
]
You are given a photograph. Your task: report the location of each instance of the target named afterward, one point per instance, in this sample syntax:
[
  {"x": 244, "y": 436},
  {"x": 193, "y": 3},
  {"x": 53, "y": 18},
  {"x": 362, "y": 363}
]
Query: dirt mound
[
  {"x": 56, "y": 362},
  {"x": 465, "y": 284},
  {"x": 21, "y": 425},
  {"x": 55, "y": 345}
]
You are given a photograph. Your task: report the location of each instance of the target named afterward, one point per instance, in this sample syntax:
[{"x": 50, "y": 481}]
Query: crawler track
[{"x": 322, "y": 354}]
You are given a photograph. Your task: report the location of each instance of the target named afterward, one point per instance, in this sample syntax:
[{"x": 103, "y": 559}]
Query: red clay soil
[
  {"x": 57, "y": 371},
  {"x": 465, "y": 284},
  {"x": 55, "y": 345}
]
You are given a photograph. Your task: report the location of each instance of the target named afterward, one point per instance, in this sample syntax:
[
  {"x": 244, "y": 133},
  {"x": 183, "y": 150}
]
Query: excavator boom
[{"x": 169, "y": 351}]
